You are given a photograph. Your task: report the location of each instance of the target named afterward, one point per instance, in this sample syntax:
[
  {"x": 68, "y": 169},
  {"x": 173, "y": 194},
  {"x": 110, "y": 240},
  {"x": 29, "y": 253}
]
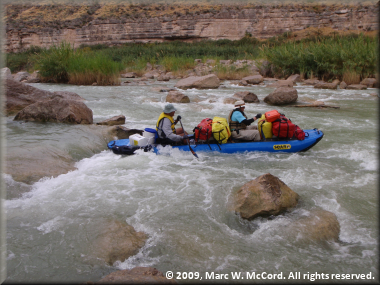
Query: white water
[{"x": 183, "y": 203}]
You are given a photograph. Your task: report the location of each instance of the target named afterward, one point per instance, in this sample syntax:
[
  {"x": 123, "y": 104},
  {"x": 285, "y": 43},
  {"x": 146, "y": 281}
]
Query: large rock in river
[
  {"x": 265, "y": 196},
  {"x": 20, "y": 95},
  {"x": 282, "y": 96},
  {"x": 137, "y": 275},
  {"x": 57, "y": 110},
  {"x": 247, "y": 97},
  {"x": 177, "y": 97},
  {"x": 253, "y": 79},
  {"x": 210, "y": 81}
]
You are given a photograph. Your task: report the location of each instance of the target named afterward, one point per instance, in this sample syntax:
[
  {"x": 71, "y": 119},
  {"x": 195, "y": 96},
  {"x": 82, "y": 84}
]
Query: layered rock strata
[{"x": 45, "y": 25}]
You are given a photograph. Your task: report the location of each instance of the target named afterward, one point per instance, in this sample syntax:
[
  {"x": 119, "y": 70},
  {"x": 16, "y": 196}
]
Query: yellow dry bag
[
  {"x": 220, "y": 129},
  {"x": 265, "y": 128}
]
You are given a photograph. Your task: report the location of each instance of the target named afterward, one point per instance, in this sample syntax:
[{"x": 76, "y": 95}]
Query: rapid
[{"x": 184, "y": 203}]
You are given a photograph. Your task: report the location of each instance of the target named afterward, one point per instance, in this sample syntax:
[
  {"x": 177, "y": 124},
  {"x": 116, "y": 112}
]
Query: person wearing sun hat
[
  {"x": 240, "y": 125},
  {"x": 167, "y": 133}
]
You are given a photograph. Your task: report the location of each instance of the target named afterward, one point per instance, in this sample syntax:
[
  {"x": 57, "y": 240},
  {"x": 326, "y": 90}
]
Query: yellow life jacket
[
  {"x": 265, "y": 128},
  {"x": 220, "y": 129},
  {"x": 163, "y": 115}
]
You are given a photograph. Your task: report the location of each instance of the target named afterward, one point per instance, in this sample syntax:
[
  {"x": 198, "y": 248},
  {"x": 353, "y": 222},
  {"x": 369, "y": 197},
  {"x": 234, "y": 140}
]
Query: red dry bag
[
  {"x": 283, "y": 128},
  {"x": 299, "y": 134},
  {"x": 204, "y": 130},
  {"x": 271, "y": 116}
]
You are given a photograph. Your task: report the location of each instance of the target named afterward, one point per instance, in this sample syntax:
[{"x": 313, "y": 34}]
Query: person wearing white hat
[
  {"x": 240, "y": 125},
  {"x": 167, "y": 133}
]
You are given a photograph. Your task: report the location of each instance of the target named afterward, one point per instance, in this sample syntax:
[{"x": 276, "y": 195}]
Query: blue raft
[{"x": 312, "y": 137}]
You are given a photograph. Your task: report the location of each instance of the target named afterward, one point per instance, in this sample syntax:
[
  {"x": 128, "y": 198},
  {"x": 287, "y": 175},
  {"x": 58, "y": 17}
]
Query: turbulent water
[{"x": 183, "y": 204}]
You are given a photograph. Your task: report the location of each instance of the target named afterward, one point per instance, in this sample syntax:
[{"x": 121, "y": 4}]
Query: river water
[{"x": 183, "y": 204}]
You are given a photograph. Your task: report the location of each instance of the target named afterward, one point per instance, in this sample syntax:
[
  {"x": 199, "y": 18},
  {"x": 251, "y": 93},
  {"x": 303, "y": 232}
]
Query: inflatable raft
[{"x": 312, "y": 137}]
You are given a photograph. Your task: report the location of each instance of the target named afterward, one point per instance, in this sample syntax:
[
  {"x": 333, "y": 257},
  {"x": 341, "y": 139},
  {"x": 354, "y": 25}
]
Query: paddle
[{"x": 188, "y": 141}]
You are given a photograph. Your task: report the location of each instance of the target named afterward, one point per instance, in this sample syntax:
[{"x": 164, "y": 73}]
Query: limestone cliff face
[{"x": 25, "y": 26}]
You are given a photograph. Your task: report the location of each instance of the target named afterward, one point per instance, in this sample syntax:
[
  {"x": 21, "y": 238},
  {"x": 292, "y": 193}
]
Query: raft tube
[{"x": 312, "y": 137}]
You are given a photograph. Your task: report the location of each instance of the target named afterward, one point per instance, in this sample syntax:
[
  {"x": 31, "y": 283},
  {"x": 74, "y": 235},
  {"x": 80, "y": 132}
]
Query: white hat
[
  {"x": 169, "y": 108},
  {"x": 239, "y": 103}
]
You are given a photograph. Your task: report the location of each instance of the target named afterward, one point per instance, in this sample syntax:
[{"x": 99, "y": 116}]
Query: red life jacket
[
  {"x": 283, "y": 128},
  {"x": 204, "y": 130}
]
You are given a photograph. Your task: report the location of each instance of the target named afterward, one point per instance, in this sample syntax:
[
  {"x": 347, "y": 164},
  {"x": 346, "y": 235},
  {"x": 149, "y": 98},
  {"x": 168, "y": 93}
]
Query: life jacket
[
  {"x": 220, "y": 130},
  {"x": 283, "y": 128},
  {"x": 203, "y": 131},
  {"x": 265, "y": 128},
  {"x": 158, "y": 127},
  {"x": 235, "y": 125}
]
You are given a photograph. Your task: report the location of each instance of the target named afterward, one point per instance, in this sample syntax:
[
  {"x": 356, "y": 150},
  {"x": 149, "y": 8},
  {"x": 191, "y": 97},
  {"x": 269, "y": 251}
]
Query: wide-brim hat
[
  {"x": 239, "y": 103},
  {"x": 169, "y": 108}
]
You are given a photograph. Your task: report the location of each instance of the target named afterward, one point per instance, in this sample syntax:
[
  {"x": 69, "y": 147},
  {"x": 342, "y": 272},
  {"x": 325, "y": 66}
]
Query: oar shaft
[{"x": 188, "y": 141}]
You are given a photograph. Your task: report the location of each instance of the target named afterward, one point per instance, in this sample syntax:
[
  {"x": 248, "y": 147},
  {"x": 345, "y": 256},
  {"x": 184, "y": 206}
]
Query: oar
[{"x": 188, "y": 141}]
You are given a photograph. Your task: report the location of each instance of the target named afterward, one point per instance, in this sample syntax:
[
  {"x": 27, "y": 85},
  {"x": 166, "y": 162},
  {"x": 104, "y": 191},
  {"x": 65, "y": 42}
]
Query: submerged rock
[
  {"x": 122, "y": 132},
  {"x": 319, "y": 225},
  {"x": 57, "y": 110},
  {"x": 265, "y": 196},
  {"x": 282, "y": 96},
  {"x": 137, "y": 275},
  {"x": 117, "y": 241}
]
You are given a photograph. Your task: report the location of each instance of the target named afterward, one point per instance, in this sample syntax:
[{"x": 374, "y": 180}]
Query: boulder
[
  {"x": 67, "y": 95},
  {"x": 19, "y": 95},
  {"x": 319, "y": 225},
  {"x": 129, "y": 75},
  {"x": 325, "y": 85},
  {"x": 370, "y": 82},
  {"x": 356, "y": 87},
  {"x": 57, "y": 110},
  {"x": 6, "y": 73},
  {"x": 117, "y": 240},
  {"x": 230, "y": 100},
  {"x": 137, "y": 275},
  {"x": 310, "y": 81},
  {"x": 294, "y": 78},
  {"x": 210, "y": 81},
  {"x": 264, "y": 196},
  {"x": 247, "y": 97},
  {"x": 177, "y": 97},
  {"x": 282, "y": 96},
  {"x": 254, "y": 79},
  {"x": 163, "y": 77},
  {"x": 117, "y": 120},
  {"x": 282, "y": 83},
  {"x": 21, "y": 76},
  {"x": 33, "y": 78},
  {"x": 343, "y": 85},
  {"x": 121, "y": 132}
]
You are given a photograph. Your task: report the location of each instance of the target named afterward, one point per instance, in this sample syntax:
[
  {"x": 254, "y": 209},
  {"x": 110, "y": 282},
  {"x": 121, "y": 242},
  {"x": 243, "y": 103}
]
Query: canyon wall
[{"x": 225, "y": 22}]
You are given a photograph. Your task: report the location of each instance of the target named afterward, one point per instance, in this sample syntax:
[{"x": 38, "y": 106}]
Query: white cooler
[{"x": 137, "y": 140}]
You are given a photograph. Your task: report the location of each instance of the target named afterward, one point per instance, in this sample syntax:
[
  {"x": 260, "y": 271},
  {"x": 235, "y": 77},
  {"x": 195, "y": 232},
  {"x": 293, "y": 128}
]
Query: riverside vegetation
[{"x": 350, "y": 58}]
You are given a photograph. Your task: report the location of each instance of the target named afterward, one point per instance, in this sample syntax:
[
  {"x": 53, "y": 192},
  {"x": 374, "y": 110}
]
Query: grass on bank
[{"x": 351, "y": 57}]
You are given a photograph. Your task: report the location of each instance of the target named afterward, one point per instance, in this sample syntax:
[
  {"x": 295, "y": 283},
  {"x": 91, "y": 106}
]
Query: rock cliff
[{"x": 45, "y": 25}]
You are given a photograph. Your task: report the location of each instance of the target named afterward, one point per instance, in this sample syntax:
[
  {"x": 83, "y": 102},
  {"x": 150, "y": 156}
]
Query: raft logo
[{"x": 282, "y": 146}]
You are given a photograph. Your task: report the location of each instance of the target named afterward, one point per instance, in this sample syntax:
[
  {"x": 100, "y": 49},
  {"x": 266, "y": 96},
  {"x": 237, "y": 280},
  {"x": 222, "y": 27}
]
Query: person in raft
[
  {"x": 167, "y": 133},
  {"x": 240, "y": 124}
]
